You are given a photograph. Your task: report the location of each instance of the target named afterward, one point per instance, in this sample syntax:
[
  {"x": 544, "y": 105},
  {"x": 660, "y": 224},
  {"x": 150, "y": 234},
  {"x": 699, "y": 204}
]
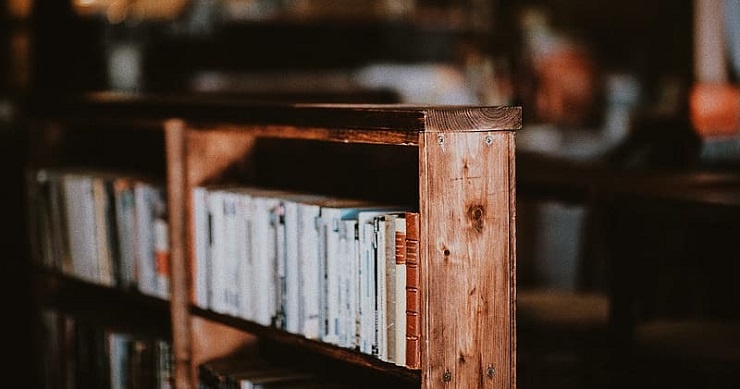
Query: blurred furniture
[
  {"x": 659, "y": 244},
  {"x": 562, "y": 314},
  {"x": 674, "y": 280}
]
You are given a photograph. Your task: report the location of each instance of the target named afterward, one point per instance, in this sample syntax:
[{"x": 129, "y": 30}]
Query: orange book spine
[{"x": 413, "y": 298}]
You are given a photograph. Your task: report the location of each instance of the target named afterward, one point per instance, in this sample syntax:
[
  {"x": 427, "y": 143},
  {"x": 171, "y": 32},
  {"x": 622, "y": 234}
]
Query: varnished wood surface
[
  {"x": 458, "y": 171},
  {"x": 347, "y": 356},
  {"x": 177, "y": 193},
  {"x": 467, "y": 261},
  {"x": 354, "y": 117}
]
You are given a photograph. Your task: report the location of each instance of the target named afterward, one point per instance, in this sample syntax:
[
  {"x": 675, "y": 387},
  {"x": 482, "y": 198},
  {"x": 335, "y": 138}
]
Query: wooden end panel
[
  {"x": 179, "y": 285},
  {"x": 467, "y": 260}
]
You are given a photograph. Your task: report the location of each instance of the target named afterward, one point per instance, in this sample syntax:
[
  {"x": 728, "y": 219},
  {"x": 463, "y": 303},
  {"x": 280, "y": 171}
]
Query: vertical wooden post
[
  {"x": 179, "y": 292},
  {"x": 468, "y": 259}
]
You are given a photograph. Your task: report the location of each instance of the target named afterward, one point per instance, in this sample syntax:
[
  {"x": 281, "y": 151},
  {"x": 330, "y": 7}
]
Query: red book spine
[{"x": 413, "y": 298}]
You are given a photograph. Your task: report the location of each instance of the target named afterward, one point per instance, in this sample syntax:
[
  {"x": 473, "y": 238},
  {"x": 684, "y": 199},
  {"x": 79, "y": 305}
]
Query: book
[
  {"x": 383, "y": 223},
  {"x": 390, "y": 320},
  {"x": 79, "y": 209},
  {"x": 367, "y": 274},
  {"x": 299, "y": 250},
  {"x": 201, "y": 252},
  {"x": 118, "y": 354},
  {"x": 349, "y": 285},
  {"x": 400, "y": 286},
  {"x": 38, "y": 185},
  {"x": 59, "y": 224},
  {"x": 104, "y": 226},
  {"x": 150, "y": 203},
  {"x": 413, "y": 298},
  {"x": 260, "y": 206},
  {"x": 225, "y": 215},
  {"x": 302, "y": 258},
  {"x": 161, "y": 245},
  {"x": 307, "y": 233},
  {"x": 332, "y": 264},
  {"x": 124, "y": 204},
  {"x": 165, "y": 372}
]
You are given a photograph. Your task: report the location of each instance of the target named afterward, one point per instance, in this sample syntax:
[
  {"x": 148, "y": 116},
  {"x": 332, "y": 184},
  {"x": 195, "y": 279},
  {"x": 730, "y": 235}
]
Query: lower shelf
[{"x": 307, "y": 351}]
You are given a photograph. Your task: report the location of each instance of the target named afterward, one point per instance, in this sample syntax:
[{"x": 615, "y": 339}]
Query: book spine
[
  {"x": 400, "y": 294},
  {"x": 413, "y": 301},
  {"x": 309, "y": 263},
  {"x": 201, "y": 227},
  {"x": 292, "y": 269},
  {"x": 161, "y": 245},
  {"x": 102, "y": 223},
  {"x": 247, "y": 297}
]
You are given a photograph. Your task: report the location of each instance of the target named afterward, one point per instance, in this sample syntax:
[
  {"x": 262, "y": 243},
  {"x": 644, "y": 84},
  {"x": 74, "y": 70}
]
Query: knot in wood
[{"x": 475, "y": 215}]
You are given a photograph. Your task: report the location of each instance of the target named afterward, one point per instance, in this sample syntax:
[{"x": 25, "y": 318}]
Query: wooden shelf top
[{"x": 384, "y": 117}]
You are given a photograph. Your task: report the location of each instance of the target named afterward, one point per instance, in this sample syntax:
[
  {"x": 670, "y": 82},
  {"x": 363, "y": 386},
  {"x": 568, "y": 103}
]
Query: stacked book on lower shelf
[
  {"x": 82, "y": 354},
  {"x": 340, "y": 271}
]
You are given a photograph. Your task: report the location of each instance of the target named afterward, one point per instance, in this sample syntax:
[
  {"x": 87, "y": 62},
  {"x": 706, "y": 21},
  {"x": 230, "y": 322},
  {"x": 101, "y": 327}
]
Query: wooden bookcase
[{"x": 454, "y": 164}]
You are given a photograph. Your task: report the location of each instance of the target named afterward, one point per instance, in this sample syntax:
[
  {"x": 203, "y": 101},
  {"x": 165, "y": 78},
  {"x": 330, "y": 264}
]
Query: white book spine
[
  {"x": 292, "y": 269},
  {"x": 263, "y": 251},
  {"x": 348, "y": 280},
  {"x": 145, "y": 196},
  {"x": 201, "y": 231},
  {"x": 216, "y": 249},
  {"x": 246, "y": 264},
  {"x": 333, "y": 261},
  {"x": 323, "y": 284},
  {"x": 367, "y": 286},
  {"x": 277, "y": 220},
  {"x": 309, "y": 258},
  {"x": 78, "y": 195},
  {"x": 380, "y": 287},
  {"x": 230, "y": 261},
  {"x": 356, "y": 296}
]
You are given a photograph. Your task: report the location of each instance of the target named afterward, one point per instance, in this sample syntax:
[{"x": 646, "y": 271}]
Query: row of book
[
  {"x": 342, "y": 271},
  {"x": 81, "y": 355},
  {"x": 102, "y": 227}
]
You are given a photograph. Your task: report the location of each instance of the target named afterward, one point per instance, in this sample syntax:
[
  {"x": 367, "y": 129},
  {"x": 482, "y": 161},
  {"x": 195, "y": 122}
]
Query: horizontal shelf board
[
  {"x": 339, "y": 118},
  {"x": 352, "y": 357},
  {"x": 111, "y": 307}
]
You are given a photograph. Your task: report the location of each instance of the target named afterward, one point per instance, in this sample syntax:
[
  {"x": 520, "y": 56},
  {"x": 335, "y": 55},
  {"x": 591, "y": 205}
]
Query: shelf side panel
[
  {"x": 467, "y": 263},
  {"x": 175, "y": 148}
]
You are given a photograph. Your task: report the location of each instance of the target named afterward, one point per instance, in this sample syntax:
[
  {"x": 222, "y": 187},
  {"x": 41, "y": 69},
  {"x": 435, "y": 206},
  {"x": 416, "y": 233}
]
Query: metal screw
[
  {"x": 489, "y": 140},
  {"x": 440, "y": 139},
  {"x": 491, "y": 371},
  {"x": 447, "y": 376}
]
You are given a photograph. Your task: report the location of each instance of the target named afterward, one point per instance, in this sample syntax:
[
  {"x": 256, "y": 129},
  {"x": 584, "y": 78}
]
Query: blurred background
[{"x": 623, "y": 85}]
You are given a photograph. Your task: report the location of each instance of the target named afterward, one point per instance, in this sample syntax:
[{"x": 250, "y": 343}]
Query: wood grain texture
[
  {"x": 468, "y": 322},
  {"x": 176, "y": 193},
  {"x": 396, "y": 118}
]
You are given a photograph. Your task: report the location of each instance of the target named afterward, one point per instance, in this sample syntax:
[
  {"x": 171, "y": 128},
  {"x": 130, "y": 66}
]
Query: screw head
[
  {"x": 489, "y": 140},
  {"x": 491, "y": 371},
  {"x": 440, "y": 139},
  {"x": 447, "y": 376}
]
